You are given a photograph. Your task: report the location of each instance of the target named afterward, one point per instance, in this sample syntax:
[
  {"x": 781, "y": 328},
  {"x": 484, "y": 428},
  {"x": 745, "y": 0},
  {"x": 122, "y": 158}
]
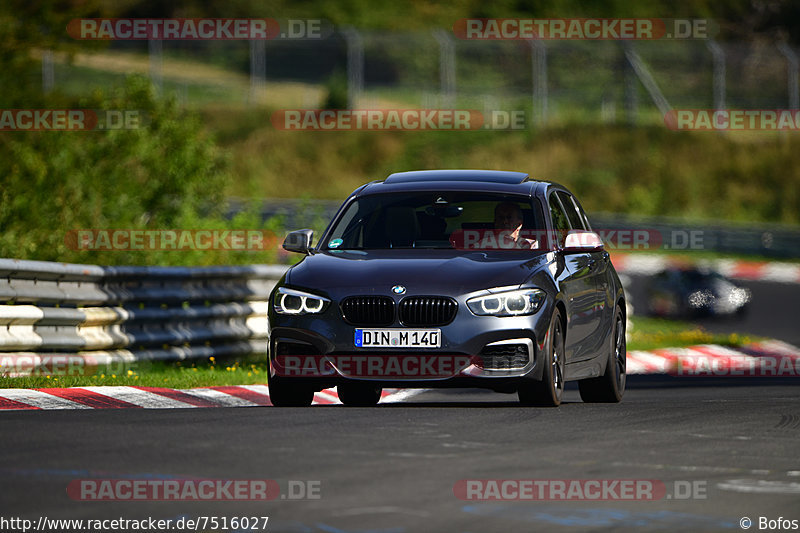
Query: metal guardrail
[
  {"x": 79, "y": 316},
  {"x": 767, "y": 240}
]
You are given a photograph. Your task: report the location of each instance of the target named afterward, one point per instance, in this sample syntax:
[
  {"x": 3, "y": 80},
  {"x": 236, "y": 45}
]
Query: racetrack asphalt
[{"x": 394, "y": 467}]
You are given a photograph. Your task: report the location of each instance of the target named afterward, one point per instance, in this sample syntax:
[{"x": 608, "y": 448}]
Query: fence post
[
  {"x": 48, "y": 71},
  {"x": 639, "y": 68},
  {"x": 718, "y": 57},
  {"x": 792, "y": 66},
  {"x": 631, "y": 95},
  {"x": 154, "y": 50},
  {"x": 258, "y": 68},
  {"x": 355, "y": 65},
  {"x": 539, "y": 72},
  {"x": 447, "y": 68}
]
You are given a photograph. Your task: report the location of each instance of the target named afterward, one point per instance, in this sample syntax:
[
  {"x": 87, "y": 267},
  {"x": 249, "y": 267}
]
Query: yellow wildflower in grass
[{"x": 695, "y": 336}]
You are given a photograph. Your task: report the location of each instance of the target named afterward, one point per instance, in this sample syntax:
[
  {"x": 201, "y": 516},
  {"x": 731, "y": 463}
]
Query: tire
[
  {"x": 359, "y": 394},
  {"x": 609, "y": 387},
  {"x": 285, "y": 393},
  {"x": 548, "y": 391}
]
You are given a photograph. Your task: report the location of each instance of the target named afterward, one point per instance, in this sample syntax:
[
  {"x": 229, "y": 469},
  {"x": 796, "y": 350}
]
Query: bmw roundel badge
[{"x": 398, "y": 289}]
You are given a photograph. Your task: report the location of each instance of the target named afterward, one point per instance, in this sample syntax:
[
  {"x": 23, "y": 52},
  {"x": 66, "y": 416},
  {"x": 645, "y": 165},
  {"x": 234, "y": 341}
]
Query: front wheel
[
  {"x": 609, "y": 387},
  {"x": 284, "y": 393},
  {"x": 548, "y": 391}
]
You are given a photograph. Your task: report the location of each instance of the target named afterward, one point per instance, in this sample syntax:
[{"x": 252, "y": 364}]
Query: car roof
[
  {"x": 498, "y": 181},
  {"x": 491, "y": 176}
]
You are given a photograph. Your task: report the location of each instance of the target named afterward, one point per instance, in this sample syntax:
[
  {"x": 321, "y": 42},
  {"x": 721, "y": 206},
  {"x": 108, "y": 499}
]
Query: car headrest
[{"x": 401, "y": 226}]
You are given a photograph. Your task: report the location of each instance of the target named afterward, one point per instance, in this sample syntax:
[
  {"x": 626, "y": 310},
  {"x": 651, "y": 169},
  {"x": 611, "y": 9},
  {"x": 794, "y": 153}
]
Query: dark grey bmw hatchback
[{"x": 450, "y": 278}]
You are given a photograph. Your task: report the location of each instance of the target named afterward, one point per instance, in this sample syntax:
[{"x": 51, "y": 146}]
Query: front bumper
[{"x": 498, "y": 353}]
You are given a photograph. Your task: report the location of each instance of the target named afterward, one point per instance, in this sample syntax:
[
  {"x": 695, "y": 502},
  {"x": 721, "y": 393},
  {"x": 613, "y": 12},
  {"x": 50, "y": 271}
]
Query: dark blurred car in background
[{"x": 689, "y": 292}]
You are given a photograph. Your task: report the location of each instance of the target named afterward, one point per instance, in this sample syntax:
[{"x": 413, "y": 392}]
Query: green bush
[
  {"x": 337, "y": 91},
  {"x": 167, "y": 174}
]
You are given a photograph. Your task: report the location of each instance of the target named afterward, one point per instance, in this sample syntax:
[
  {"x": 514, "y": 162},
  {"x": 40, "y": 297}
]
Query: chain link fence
[{"x": 555, "y": 81}]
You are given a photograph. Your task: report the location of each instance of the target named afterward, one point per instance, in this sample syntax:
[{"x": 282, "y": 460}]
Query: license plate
[{"x": 398, "y": 338}]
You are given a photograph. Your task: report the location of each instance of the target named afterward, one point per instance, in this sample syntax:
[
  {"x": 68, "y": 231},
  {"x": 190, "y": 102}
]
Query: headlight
[
  {"x": 292, "y": 302},
  {"x": 509, "y": 303},
  {"x": 739, "y": 296},
  {"x": 701, "y": 298}
]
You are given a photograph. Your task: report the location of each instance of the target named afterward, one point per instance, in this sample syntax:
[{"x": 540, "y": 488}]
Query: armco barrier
[{"x": 81, "y": 316}]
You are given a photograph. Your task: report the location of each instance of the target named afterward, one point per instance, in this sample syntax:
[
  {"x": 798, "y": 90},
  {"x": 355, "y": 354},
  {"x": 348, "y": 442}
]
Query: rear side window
[
  {"x": 582, "y": 213},
  {"x": 572, "y": 210}
]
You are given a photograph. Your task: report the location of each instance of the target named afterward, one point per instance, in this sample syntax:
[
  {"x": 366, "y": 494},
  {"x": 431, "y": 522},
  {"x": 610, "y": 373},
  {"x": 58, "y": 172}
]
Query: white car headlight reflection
[
  {"x": 292, "y": 302},
  {"x": 509, "y": 303}
]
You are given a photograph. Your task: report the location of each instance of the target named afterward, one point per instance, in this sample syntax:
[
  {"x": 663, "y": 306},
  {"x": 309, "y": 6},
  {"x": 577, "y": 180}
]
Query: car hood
[{"x": 420, "y": 271}]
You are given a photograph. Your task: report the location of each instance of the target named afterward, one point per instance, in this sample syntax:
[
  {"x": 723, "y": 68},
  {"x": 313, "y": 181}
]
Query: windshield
[{"x": 461, "y": 220}]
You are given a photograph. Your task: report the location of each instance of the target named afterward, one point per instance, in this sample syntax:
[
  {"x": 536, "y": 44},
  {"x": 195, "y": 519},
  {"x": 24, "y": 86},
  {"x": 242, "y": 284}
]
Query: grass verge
[
  {"x": 654, "y": 333},
  {"x": 179, "y": 375}
]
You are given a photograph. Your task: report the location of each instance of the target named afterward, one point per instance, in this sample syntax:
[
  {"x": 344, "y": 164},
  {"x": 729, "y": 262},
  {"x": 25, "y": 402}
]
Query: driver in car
[{"x": 508, "y": 219}]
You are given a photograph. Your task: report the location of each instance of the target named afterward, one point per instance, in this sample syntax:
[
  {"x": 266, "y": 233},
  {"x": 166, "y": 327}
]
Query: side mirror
[
  {"x": 582, "y": 241},
  {"x": 299, "y": 241}
]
